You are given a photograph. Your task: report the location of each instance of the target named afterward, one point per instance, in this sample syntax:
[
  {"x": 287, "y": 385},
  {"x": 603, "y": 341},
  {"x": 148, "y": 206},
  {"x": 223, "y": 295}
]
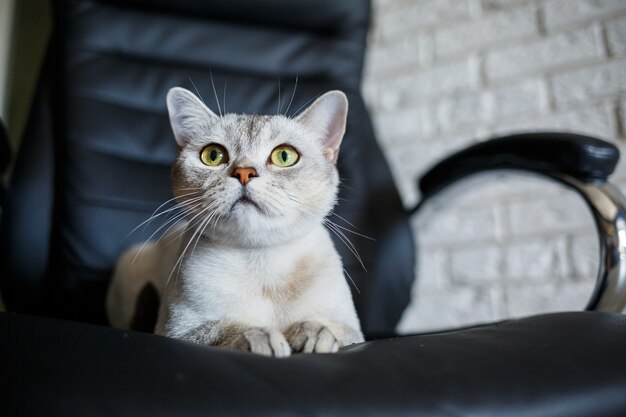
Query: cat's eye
[
  {"x": 284, "y": 156},
  {"x": 214, "y": 155}
]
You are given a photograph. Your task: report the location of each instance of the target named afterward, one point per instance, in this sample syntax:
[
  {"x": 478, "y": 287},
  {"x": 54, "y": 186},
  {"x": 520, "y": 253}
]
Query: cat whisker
[
  {"x": 196, "y": 88},
  {"x": 219, "y": 108},
  {"x": 212, "y": 210},
  {"x": 347, "y": 242},
  {"x": 191, "y": 188},
  {"x": 219, "y": 217},
  {"x": 332, "y": 213},
  {"x": 191, "y": 225},
  {"x": 293, "y": 93},
  {"x": 351, "y": 231},
  {"x": 174, "y": 208},
  {"x": 178, "y": 262},
  {"x": 224, "y": 95},
  {"x": 203, "y": 227},
  {"x": 154, "y": 215},
  {"x": 352, "y": 281},
  {"x": 305, "y": 104},
  {"x": 186, "y": 208},
  {"x": 278, "y": 109},
  {"x": 174, "y": 219},
  {"x": 337, "y": 231},
  {"x": 171, "y": 239}
]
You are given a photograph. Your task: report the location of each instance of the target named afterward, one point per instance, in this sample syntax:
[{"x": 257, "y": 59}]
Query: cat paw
[
  {"x": 264, "y": 341},
  {"x": 310, "y": 336}
]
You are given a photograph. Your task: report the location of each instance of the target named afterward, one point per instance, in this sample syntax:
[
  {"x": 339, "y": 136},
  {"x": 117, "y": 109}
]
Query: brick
[
  {"x": 550, "y": 297},
  {"x": 410, "y": 160},
  {"x": 491, "y": 29},
  {"x": 452, "y": 308},
  {"x": 585, "y": 84},
  {"x": 492, "y": 188},
  {"x": 622, "y": 116},
  {"x": 476, "y": 265},
  {"x": 405, "y": 163},
  {"x": 501, "y": 4},
  {"x": 526, "y": 97},
  {"x": 561, "y": 13},
  {"x": 595, "y": 120},
  {"x": 444, "y": 226},
  {"x": 555, "y": 51},
  {"x": 383, "y": 6},
  {"x": 549, "y": 216},
  {"x": 616, "y": 36},
  {"x": 410, "y": 124},
  {"x": 418, "y": 15},
  {"x": 462, "y": 110},
  {"x": 536, "y": 260},
  {"x": 433, "y": 270},
  {"x": 421, "y": 86},
  {"x": 371, "y": 93},
  {"x": 404, "y": 53},
  {"x": 585, "y": 255}
]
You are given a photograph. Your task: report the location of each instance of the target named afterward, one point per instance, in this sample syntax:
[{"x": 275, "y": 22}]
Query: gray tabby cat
[{"x": 253, "y": 268}]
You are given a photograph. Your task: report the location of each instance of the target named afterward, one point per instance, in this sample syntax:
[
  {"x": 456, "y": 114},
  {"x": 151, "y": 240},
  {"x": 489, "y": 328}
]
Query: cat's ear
[
  {"x": 187, "y": 114},
  {"x": 327, "y": 116}
]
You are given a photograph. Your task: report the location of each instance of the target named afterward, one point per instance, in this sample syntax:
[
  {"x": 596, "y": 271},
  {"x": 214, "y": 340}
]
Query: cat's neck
[{"x": 299, "y": 238}]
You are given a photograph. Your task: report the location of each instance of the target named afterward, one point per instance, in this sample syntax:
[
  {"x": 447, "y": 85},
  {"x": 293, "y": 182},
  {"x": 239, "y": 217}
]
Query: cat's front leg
[
  {"x": 313, "y": 336},
  {"x": 261, "y": 340}
]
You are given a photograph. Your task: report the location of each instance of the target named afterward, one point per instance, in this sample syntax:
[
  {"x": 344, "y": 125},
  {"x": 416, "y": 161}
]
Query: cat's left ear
[
  {"x": 327, "y": 116},
  {"x": 188, "y": 115}
]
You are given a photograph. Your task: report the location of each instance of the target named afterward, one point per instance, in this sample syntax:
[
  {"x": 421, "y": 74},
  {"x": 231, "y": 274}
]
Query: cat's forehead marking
[
  {"x": 254, "y": 124},
  {"x": 244, "y": 131}
]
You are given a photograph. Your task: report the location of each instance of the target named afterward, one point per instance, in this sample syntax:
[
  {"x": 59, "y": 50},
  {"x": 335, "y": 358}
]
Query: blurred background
[{"x": 441, "y": 74}]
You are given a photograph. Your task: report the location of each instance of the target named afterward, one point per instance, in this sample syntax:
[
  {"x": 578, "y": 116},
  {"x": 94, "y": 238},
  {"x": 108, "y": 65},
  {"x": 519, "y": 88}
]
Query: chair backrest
[{"x": 95, "y": 160}]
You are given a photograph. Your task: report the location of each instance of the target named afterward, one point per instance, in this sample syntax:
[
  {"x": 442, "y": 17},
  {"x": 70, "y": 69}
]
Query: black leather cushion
[
  {"x": 586, "y": 158},
  {"x": 110, "y": 66},
  {"x": 567, "y": 364}
]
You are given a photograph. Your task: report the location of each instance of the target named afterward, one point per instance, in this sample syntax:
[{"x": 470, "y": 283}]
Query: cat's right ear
[
  {"x": 327, "y": 116},
  {"x": 188, "y": 114}
]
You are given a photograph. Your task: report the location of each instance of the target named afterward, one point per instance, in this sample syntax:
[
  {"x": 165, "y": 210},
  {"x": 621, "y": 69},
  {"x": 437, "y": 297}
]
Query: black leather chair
[{"x": 94, "y": 163}]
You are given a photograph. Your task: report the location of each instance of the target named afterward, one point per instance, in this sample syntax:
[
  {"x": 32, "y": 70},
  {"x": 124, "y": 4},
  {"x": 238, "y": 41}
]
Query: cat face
[{"x": 250, "y": 181}]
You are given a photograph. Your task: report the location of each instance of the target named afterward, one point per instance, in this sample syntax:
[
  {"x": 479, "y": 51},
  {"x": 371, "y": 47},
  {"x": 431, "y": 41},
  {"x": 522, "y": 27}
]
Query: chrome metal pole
[{"x": 608, "y": 206}]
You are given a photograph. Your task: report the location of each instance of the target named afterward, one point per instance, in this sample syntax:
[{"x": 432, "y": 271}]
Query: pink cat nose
[{"x": 244, "y": 174}]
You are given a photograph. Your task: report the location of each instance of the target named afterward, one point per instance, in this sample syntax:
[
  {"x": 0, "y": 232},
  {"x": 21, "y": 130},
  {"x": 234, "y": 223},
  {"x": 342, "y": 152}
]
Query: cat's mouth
[{"x": 247, "y": 201}]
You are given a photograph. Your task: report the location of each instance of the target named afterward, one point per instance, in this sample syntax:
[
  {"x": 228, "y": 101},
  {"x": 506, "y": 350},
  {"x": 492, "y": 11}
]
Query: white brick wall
[
  {"x": 441, "y": 74},
  {"x": 546, "y": 53}
]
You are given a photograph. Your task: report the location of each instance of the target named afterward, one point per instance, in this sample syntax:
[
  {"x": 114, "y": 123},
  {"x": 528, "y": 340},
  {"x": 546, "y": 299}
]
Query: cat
[{"x": 253, "y": 268}]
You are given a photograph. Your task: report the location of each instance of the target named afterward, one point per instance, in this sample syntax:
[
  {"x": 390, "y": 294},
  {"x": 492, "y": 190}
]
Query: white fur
[{"x": 269, "y": 269}]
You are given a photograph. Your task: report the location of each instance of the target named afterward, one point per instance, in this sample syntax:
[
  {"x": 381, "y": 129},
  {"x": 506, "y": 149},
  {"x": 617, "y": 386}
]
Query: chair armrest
[
  {"x": 582, "y": 157},
  {"x": 580, "y": 162}
]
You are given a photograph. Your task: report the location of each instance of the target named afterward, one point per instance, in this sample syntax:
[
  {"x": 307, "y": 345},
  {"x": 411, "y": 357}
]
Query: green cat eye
[
  {"x": 284, "y": 156},
  {"x": 214, "y": 155}
]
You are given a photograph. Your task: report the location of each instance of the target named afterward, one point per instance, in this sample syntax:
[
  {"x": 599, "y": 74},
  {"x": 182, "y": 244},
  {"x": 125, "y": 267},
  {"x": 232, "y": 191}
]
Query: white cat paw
[
  {"x": 264, "y": 341},
  {"x": 310, "y": 336}
]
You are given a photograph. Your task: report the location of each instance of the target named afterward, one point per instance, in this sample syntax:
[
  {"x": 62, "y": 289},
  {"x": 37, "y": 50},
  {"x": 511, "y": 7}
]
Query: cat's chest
[{"x": 225, "y": 271}]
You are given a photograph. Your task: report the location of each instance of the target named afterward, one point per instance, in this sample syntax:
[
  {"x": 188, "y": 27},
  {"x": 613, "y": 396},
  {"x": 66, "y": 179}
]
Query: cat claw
[
  {"x": 263, "y": 341},
  {"x": 310, "y": 336}
]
